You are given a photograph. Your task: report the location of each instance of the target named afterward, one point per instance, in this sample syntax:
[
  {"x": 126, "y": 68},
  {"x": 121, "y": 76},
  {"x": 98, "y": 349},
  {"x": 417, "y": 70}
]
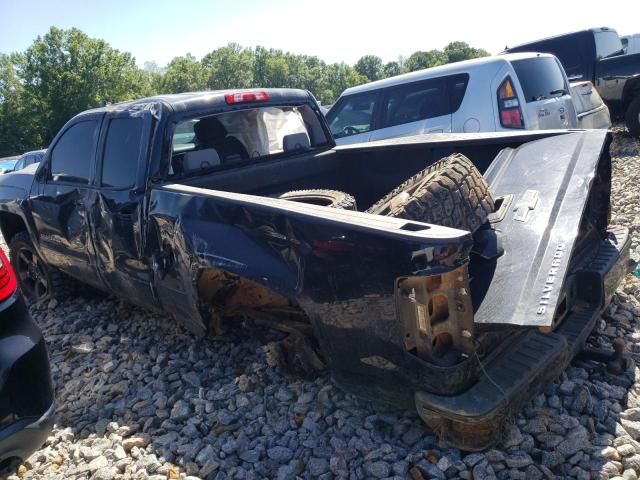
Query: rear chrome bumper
[{"x": 474, "y": 420}]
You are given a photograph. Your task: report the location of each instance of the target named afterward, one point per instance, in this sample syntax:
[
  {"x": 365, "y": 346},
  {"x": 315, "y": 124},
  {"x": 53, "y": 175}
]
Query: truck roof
[
  {"x": 554, "y": 37},
  {"x": 434, "y": 72},
  {"x": 207, "y": 99}
]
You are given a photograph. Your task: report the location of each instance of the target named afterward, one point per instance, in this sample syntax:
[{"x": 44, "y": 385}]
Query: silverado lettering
[{"x": 553, "y": 271}]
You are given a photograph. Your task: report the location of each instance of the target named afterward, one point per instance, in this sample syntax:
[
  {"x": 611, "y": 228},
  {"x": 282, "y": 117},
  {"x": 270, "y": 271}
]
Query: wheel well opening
[{"x": 10, "y": 225}]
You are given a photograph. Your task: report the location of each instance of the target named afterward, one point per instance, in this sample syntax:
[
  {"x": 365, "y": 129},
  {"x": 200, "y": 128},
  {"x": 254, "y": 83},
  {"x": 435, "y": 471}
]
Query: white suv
[{"x": 506, "y": 92}]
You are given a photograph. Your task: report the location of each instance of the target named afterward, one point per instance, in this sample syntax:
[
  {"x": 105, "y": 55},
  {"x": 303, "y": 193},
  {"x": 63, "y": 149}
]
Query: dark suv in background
[{"x": 598, "y": 55}]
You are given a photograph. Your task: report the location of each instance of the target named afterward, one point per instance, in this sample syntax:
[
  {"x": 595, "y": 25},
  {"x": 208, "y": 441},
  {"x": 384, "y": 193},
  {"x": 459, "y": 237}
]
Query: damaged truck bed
[{"x": 175, "y": 204}]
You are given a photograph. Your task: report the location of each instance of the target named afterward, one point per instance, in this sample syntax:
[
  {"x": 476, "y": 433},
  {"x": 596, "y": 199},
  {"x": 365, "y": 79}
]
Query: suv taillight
[
  {"x": 8, "y": 283},
  {"x": 509, "y": 106}
]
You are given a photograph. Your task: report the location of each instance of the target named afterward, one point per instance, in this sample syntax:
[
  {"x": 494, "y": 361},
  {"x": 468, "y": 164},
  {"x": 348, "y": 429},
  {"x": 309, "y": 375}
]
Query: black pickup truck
[
  {"x": 597, "y": 55},
  {"x": 189, "y": 203}
]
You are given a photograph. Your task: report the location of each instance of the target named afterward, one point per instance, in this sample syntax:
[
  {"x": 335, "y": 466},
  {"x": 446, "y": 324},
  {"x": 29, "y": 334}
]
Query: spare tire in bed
[
  {"x": 451, "y": 193},
  {"x": 325, "y": 198}
]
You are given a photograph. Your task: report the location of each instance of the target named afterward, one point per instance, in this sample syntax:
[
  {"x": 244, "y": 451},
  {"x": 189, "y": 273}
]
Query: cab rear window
[
  {"x": 540, "y": 77},
  {"x": 243, "y": 136}
]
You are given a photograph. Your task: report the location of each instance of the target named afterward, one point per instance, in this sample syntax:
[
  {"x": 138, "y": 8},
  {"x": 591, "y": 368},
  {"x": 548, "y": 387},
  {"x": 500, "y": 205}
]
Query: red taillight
[
  {"x": 509, "y": 106},
  {"x": 8, "y": 283},
  {"x": 246, "y": 97}
]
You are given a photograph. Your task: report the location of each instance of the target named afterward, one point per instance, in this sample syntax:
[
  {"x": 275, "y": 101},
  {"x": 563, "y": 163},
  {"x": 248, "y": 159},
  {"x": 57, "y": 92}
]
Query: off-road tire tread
[
  {"x": 340, "y": 200},
  {"x": 452, "y": 193}
]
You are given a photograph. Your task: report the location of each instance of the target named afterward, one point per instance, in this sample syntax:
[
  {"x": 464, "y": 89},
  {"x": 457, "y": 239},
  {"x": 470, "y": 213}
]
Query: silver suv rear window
[{"x": 539, "y": 77}]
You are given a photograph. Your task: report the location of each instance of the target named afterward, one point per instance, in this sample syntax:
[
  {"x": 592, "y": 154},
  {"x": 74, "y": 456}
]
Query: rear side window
[
  {"x": 415, "y": 101},
  {"x": 539, "y": 77},
  {"x": 121, "y": 152},
  {"x": 352, "y": 115},
  {"x": 71, "y": 156},
  {"x": 457, "y": 89}
]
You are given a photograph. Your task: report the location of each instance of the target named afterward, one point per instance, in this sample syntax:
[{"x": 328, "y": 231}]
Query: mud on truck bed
[{"x": 455, "y": 274}]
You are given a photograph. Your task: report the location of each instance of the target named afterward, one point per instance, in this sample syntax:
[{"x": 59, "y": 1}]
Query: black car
[{"x": 26, "y": 390}]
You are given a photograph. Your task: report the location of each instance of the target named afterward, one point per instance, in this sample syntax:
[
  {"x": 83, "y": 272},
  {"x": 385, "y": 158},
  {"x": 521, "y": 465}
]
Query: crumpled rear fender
[{"x": 316, "y": 256}]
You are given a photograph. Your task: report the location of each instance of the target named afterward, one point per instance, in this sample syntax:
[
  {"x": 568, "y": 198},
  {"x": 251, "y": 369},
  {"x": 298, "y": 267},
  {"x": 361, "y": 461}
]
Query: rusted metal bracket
[{"x": 437, "y": 315}]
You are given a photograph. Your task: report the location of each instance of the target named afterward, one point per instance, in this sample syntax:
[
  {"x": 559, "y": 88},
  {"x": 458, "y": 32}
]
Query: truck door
[
  {"x": 59, "y": 199},
  {"x": 414, "y": 108},
  {"x": 117, "y": 206}
]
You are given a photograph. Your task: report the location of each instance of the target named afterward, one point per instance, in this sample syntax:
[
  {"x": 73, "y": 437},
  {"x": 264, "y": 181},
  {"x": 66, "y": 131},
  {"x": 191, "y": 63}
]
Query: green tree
[
  {"x": 392, "y": 69},
  {"x": 370, "y": 67},
  {"x": 17, "y": 132},
  {"x": 184, "y": 74},
  {"x": 337, "y": 78},
  {"x": 458, "y": 51},
  {"x": 421, "y": 59},
  {"x": 153, "y": 67},
  {"x": 228, "y": 67},
  {"x": 66, "y": 72},
  {"x": 276, "y": 72}
]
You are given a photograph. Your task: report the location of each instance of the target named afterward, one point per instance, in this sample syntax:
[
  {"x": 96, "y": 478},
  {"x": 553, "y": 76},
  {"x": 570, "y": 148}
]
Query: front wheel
[
  {"x": 632, "y": 118},
  {"x": 35, "y": 278}
]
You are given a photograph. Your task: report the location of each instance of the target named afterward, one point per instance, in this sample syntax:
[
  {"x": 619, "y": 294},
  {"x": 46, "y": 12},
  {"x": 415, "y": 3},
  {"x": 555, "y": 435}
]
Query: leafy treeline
[{"x": 66, "y": 71}]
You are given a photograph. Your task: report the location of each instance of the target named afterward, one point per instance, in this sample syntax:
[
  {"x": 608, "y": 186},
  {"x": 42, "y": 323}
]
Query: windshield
[
  {"x": 243, "y": 136},
  {"x": 7, "y": 164},
  {"x": 608, "y": 44},
  {"x": 352, "y": 115}
]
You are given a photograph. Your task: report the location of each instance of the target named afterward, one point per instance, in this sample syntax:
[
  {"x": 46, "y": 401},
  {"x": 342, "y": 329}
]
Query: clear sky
[{"x": 334, "y": 30}]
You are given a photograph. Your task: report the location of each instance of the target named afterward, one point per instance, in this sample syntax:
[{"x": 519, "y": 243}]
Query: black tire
[
  {"x": 632, "y": 117},
  {"x": 451, "y": 193},
  {"x": 37, "y": 281},
  {"x": 326, "y": 198}
]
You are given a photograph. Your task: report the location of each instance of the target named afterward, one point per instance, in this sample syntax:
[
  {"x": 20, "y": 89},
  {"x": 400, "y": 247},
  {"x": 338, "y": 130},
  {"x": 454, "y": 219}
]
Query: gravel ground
[{"x": 140, "y": 398}]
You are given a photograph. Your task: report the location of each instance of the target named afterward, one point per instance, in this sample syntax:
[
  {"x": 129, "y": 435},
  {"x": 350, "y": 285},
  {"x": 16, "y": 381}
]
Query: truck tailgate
[{"x": 546, "y": 183}]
